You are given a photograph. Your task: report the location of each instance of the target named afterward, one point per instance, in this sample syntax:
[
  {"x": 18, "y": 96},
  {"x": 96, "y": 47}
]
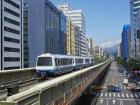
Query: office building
[
  {"x": 90, "y": 47},
  {"x": 43, "y": 29},
  {"x": 77, "y": 18},
  {"x": 97, "y": 52},
  {"x": 119, "y": 50},
  {"x": 11, "y": 39},
  {"x": 70, "y": 39},
  {"x": 25, "y": 34},
  {"x": 134, "y": 9},
  {"x": 63, "y": 35},
  {"x": 77, "y": 34},
  {"x": 125, "y": 42},
  {"x": 104, "y": 54},
  {"x": 138, "y": 36}
]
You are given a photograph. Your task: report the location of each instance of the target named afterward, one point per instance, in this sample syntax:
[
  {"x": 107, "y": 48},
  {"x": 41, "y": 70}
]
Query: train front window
[{"x": 44, "y": 61}]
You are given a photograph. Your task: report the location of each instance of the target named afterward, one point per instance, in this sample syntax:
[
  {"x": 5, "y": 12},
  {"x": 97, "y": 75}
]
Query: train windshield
[{"x": 44, "y": 61}]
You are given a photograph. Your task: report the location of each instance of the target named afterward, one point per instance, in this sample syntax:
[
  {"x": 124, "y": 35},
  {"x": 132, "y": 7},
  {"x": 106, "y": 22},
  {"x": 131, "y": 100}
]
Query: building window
[
  {"x": 11, "y": 59},
  {"x": 11, "y": 30},
  {"x": 12, "y": 3},
  {"x": 8, "y": 49},
  {"x": 11, "y": 12},
  {"x": 11, "y": 21},
  {"x": 11, "y": 40},
  {"x": 9, "y": 68}
]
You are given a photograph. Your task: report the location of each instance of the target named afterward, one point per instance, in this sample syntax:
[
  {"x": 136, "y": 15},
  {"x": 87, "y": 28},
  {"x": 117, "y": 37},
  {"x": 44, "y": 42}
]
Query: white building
[
  {"x": 97, "y": 52},
  {"x": 134, "y": 9},
  {"x": 77, "y": 17},
  {"x": 90, "y": 47},
  {"x": 11, "y": 39},
  {"x": 138, "y": 36},
  {"x": 119, "y": 50}
]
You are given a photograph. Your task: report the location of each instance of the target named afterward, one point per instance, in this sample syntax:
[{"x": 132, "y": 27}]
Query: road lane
[{"x": 125, "y": 97}]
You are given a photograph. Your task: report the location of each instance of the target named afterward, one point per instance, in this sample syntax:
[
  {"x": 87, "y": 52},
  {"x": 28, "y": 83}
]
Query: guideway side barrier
[
  {"x": 14, "y": 77},
  {"x": 59, "y": 91}
]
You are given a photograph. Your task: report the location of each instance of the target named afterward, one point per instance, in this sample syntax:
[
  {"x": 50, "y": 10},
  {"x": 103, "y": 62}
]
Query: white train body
[{"x": 55, "y": 64}]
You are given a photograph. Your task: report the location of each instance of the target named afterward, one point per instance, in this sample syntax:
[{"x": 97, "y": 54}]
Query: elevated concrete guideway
[
  {"x": 15, "y": 77},
  {"x": 62, "y": 90}
]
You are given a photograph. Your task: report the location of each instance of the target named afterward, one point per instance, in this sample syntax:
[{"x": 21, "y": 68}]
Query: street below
[{"x": 104, "y": 97}]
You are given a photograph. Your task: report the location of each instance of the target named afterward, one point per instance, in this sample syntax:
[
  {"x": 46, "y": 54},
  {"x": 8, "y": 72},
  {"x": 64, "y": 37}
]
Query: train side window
[
  {"x": 58, "y": 62},
  {"x": 67, "y": 61},
  {"x": 55, "y": 62},
  {"x": 72, "y": 61},
  {"x": 61, "y": 63}
]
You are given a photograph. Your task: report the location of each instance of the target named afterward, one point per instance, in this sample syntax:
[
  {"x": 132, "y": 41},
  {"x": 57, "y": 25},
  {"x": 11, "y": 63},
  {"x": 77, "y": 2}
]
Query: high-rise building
[
  {"x": 62, "y": 36},
  {"x": 119, "y": 50},
  {"x": 77, "y": 18},
  {"x": 77, "y": 34},
  {"x": 138, "y": 36},
  {"x": 25, "y": 34},
  {"x": 43, "y": 29},
  {"x": 134, "y": 9},
  {"x": 90, "y": 47},
  {"x": 11, "y": 37},
  {"x": 97, "y": 52},
  {"x": 125, "y": 42},
  {"x": 64, "y": 7},
  {"x": 70, "y": 39}
]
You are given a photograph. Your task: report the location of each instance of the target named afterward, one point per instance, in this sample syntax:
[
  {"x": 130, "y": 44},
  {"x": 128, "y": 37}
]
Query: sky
[{"x": 104, "y": 18}]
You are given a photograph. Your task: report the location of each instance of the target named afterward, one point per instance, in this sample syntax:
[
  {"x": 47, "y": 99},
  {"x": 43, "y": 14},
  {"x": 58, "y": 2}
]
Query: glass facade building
[
  {"x": 25, "y": 38},
  {"x": 43, "y": 29},
  {"x": 11, "y": 34},
  {"x": 63, "y": 21},
  {"x": 77, "y": 18},
  {"x": 125, "y": 42},
  {"x": 77, "y": 34},
  {"x": 134, "y": 9}
]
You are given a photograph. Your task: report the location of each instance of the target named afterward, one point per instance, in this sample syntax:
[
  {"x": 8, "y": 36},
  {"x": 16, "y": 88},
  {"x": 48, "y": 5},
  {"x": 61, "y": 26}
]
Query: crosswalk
[
  {"x": 118, "y": 95},
  {"x": 122, "y": 87}
]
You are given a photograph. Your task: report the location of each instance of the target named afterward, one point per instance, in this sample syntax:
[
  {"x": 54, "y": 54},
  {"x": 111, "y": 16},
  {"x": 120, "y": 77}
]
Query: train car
[
  {"x": 53, "y": 64},
  {"x": 92, "y": 61},
  {"x": 78, "y": 63},
  {"x": 87, "y": 62}
]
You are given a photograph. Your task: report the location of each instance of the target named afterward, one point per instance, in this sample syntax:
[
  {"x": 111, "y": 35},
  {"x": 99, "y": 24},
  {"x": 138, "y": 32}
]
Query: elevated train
[{"x": 55, "y": 64}]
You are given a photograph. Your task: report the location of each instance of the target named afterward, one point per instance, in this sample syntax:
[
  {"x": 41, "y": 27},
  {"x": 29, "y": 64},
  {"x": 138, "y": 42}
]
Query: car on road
[
  {"x": 124, "y": 75},
  {"x": 138, "y": 84},
  {"x": 116, "y": 89},
  {"x": 135, "y": 89},
  {"x": 128, "y": 76},
  {"x": 125, "y": 81},
  {"x": 112, "y": 88}
]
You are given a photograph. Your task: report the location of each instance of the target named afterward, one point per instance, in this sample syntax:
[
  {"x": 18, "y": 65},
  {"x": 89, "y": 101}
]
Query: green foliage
[{"x": 130, "y": 64}]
